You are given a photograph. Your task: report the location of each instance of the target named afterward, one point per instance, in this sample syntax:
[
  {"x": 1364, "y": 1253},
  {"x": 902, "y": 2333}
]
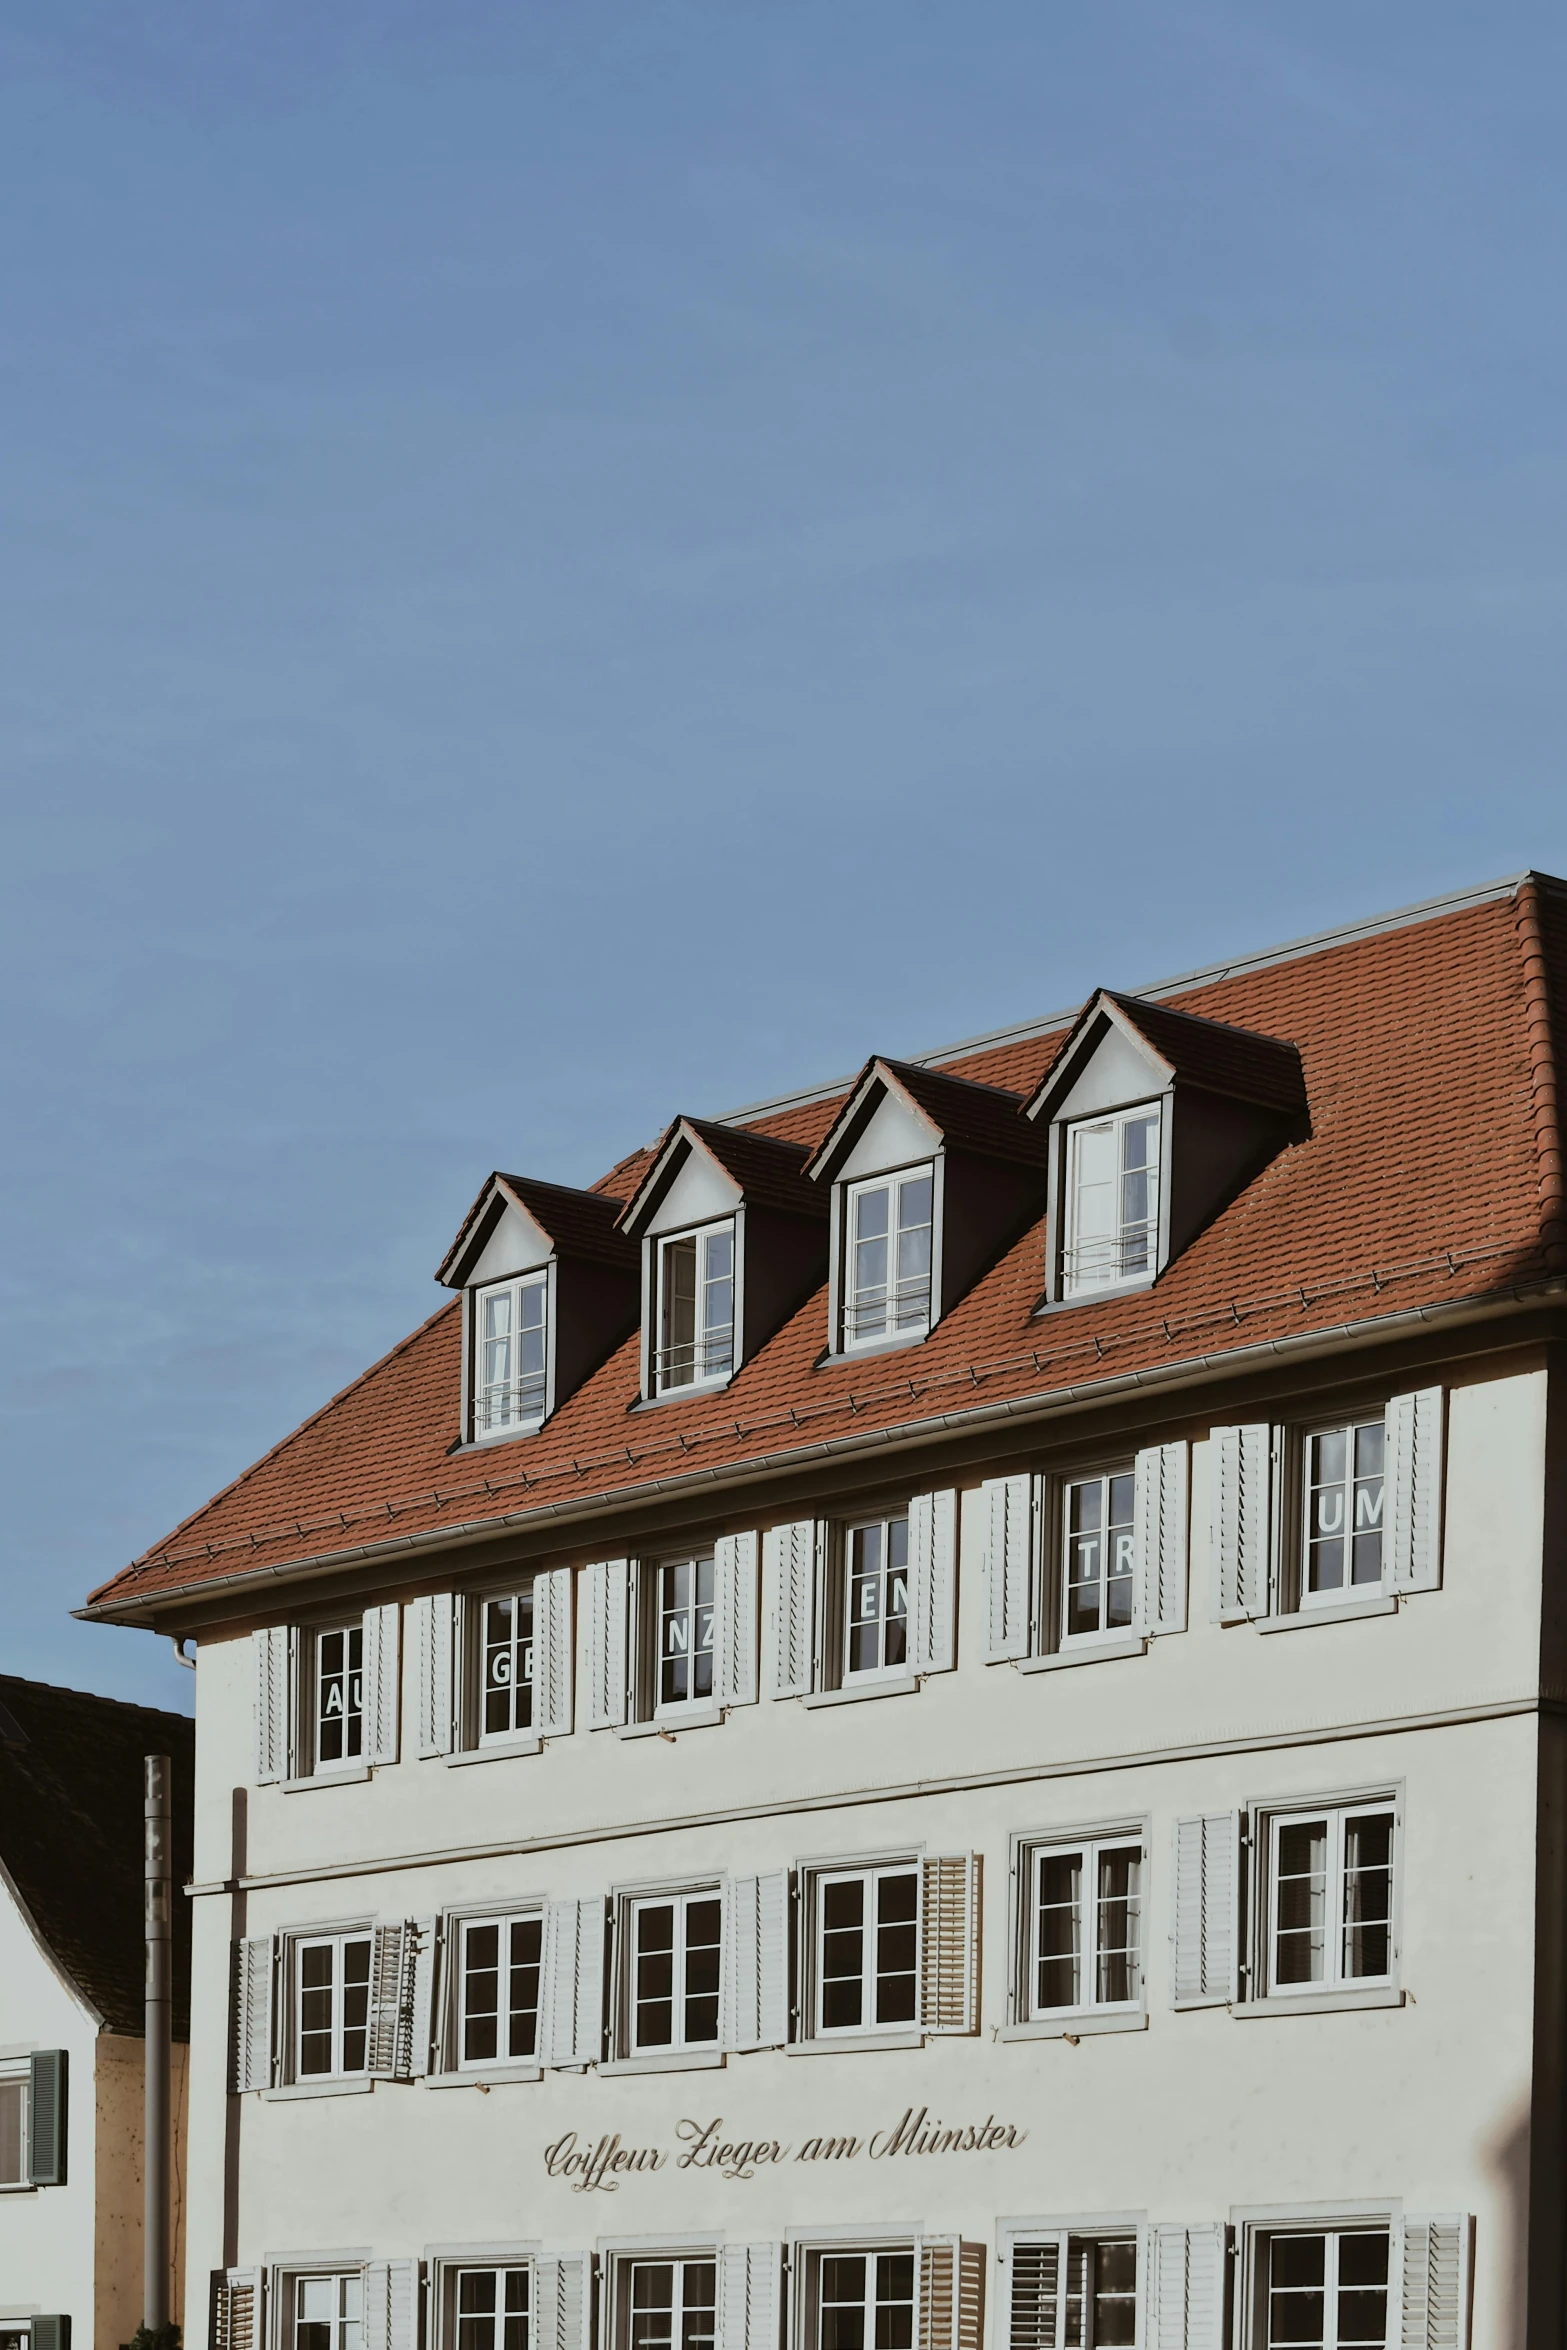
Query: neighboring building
[
  {"x": 932, "y": 1717},
  {"x": 71, "y": 2011}
]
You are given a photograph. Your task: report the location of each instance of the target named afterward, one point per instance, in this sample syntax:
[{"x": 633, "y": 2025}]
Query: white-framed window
[
  {"x": 328, "y": 2312},
  {"x": 14, "y": 2170},
  {"x": 1111, "y": 1186},
  {"x": 864, "y": 2300},
  {"x": 875, "y": 1598},
  {"x": 1098, "y": 1555},
  {"x": 1082, "y": 1940},
  {"x": 498, "y": 1965},
  {"x": 1324, "y": 2289},
  {"x": 15, "y": 2333},
  {"x": 1329, "y": 1897},
  {"x": 866, "y": 1955},
  {"x": 1341, "y": 1532},
  {"x": 331, "y": 2005},
  {"x": 337, "y": 1685},
  {"x": 671, "y": 2304},
  {"x": 510, "y": 1355},
  {"x": 505, "y": 1666},
  {"x": 887, "y": 1257},
  {"x": 492, "y": 2308},
  {"x": 683, "y": 1620},
  {"x": 675, "y": 1946},
  {"x": 696, "y": 1308},
  {"x": 1077, "y": 2289}
]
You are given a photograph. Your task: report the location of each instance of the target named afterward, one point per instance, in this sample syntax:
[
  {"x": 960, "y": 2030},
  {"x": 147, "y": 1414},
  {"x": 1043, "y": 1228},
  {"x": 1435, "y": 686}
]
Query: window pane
[
  {"x": 867, "y": 1314},
  {"x": 843, "y": 2299},
  {"x": 1300, "y": 1939},
  {"x": 674, "y": 1678},
  {"x": 13, "y": 2099},
  {"x": 1366, "y": 1516},
  {"x": 1368, "y": 1894},
  {"x": 317, "y": 1973},
  {"x": 703, "y": 1940},
  {"x": 1059, "y": 1929},
  {"x": 698, "y": 2304},
  {"x": 897, "y": 1948},
  {"x": 356, "y": 2003},
  {"x": 702, "y": 1630},
  {"x": 1115, "y": 2295},
  {"x": 1297, "y": 2300},
  {"x": 894, "y": 2301},
  {"x": 1120, "y": 1878},
  {"x": 652, "y": 2304},
  {"x": 527, "y": 1935},
  {"x": 1119, "y": 1552},
  {"x": 678, "y": 1358},
  {"x": 843, "y": 1953},
  {"x": 654, "y": 2001},
  {"x": 481, "y": 1994}
]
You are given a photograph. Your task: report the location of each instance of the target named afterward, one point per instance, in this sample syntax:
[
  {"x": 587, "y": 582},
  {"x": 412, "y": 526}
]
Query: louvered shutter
[
  {"x": 1184, "y": 2292},
  {"x": 949, "y": 1938},
  {"x": 1159, "y": 1510},
  {"x": 1241, "y": 1469},
  {"x": 254, "y": 1967},
  {"x": 435, "y": 1674},
  {"x": 46, "y": 2088},
  {"x": 562, "y": 2298},
  {"x": 272, "y": 1648},
  {"x": 420, "y": 1955},
  {"x": 386, "y": 2046},
  {"x": 553, "y": 1677},
  {"x": 382, "y": 1683},
  {"x": 1034, "y": 2311},
  {"x": 606, "y": 1596},
  {"x": 1009, "y": 1555},
  {"x": 1207, "y": 1902},
  {"x": 49, "y": 2333},
  {"x": 571, "y": 1992},
  {"x": 1412, "y": 1511},
  {"x": 391, "y": 2319},
  {"x": 951, "y": 2293},
  {"x": 1436, "y": 2284},
  {"x": 236, "y": 2309},
  {"x": 748, "y": 2318},
  {"x": 735, "y": 1559},
  {"x": 792, "y": 1556},
  {"x": 754, "y": 1990},
  {"x": 933, "y": 1580}
]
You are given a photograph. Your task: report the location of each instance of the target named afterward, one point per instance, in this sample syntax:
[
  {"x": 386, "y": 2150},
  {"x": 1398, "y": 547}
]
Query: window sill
[
  {"x": 670, "y": 2060},
  {"x": 670, "y": 1725},
  {"x": 836, "y": 1357},
  {"x": 856, "y": 2044},
  {"x": 473, "y": 1444},
  {"x": 903, "y": 1685},
  {"x": 1093, "y": 1297},
  {"x": 1078, "y": 2027},
  {"x": 698, "y": 1387},
  {"x": 1091, "y": 1652},
  {"x": 360, "y": 2086},
  {"x": 17, "y": 2187},
  {"x": 1381, "y": 1603},
  {"x": 507, "y": 1751},
  {"x": 353, "y": 1778},
  {"x": 475, "y": 2079},
  {"x": 1321, "y": 2002}
]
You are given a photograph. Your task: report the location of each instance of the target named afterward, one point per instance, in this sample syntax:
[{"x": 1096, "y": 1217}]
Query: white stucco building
[
  {"x": 930, "y": 1719},
  {"x": 71, "y": 2014}
]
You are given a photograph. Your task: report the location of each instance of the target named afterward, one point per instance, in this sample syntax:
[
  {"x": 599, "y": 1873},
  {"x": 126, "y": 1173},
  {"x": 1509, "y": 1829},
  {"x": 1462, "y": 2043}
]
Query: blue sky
[{"x": 559, "y": 566}]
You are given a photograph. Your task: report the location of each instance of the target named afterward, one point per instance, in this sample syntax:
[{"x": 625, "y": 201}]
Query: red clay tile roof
[
  {"x": 967, "y": 1114},
  {"x": 1432, "y": 1165}
]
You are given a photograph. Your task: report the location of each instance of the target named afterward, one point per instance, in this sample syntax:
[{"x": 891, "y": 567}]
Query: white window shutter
[
  {"x": 938, "y": 2293},
  {"x": 1009, "y": 1556},
  {"x": 606, "y": 1605},
  {"x": 949, "y": 1942},
  {"x": 237, "y": 2315},
  {"x": 571, "y": 1990},
  {"x": 1436, "y": 2284},
  {"x": 273, "y": 1648},
  {"x": 1184, "y": 2293},
  {"x": 435, "y": 1670},
  {"x": 383, "y": 1684},
  {"x": 554, "y": 1680},
  {"x": 754, "y": 1988},
  {"x": 792, "y": 1557},
  {"x": 562, "y": 2302},
  {"x": 1207, "y": 1901},
  {"x": 1034, "y": 2308},
  {"x": 385, "y": 2053},
  {"x": 1160, "y": 1510},
  {"x": 933, "y": 1580},
  {"x": 1412, "y": 1510},
  {"x": 748, "y": 2319},
  {"x": 735, "y": 1560},
  {"x": 254, "y": 1965},
  {"x": 1241, "y": 1473},
  {"x": 391, "y": 2305}
]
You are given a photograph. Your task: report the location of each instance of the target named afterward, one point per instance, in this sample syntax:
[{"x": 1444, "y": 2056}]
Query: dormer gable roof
[
  {"x": 1179, "y": 1048},
  {"x": 959, "y": 1113},
  {"x": 555, "y": 1221},
  {"x": 756, "y": 1169}
]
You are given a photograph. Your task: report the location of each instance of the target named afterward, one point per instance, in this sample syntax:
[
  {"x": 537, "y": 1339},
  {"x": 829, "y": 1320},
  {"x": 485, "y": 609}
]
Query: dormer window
[
  {"x": 511, "y": 1382},
  {"x": 887, "y": 1292},
  {"x": 696, "y": 1308},
  {"x": 1112, "y": 1208}
]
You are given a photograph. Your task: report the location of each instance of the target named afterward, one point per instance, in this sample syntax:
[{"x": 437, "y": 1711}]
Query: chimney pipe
[{"x": 155, "y": 2243}]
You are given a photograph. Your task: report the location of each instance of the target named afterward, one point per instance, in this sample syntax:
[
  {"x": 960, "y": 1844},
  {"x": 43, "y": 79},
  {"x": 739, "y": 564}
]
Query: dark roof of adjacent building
[
  {"x": 71, "y": 1836},
  {"x": 1429, "y": 1175}
]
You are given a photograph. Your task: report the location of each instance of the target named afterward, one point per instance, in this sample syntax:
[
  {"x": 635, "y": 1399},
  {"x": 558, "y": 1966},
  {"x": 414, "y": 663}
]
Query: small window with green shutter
[{"x": 46, "y": 2118}]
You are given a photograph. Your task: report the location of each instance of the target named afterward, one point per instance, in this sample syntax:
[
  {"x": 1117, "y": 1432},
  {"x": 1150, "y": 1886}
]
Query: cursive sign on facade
[{"x": 600, "y": 2165}]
